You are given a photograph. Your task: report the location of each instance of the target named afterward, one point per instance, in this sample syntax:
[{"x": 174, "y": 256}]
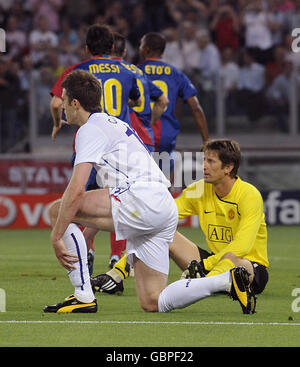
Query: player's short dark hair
[
  {"x": 228, "y": 150},
  {"x": 156, "y": 42},
  {"x": 84, "y": 87},
  {"x": 99, "y": 39},
  {"x": 119, "y": 44}
]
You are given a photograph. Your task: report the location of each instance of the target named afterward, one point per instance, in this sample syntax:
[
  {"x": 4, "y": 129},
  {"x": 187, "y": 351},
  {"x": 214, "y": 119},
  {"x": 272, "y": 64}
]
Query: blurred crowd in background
[{"x": 246, "y": 42}]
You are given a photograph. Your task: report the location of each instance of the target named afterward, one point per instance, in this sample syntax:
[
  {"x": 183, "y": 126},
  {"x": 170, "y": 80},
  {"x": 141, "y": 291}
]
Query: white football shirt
[{"x": 116, "y": 152}]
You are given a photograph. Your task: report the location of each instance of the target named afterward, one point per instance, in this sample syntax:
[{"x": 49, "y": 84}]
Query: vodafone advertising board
[
  {"x": 25, "y": 211},
  {"x": 32, "y": 211},
  {"x": 27, "y": 187}
]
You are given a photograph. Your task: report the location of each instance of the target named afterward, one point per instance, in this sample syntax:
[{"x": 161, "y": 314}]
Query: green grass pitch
[{"x": 32, "y": 277}]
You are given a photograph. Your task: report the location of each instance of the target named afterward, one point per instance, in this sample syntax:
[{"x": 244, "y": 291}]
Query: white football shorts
[{"x": 145, "y": 214}]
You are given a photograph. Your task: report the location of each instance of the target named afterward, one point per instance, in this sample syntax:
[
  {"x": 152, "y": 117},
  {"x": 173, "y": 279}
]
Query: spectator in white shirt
[
  {"x": 276, "y": 20},
  {"x": 41, "y": 40},
  {"x": 229, "y": 70},
  {"x": 49, "y": 9},
  {"x": 279, "y": 95},
  {"x": 229, "y": 73},
  {"x": 252, "y": 74},
  {"x": 190, "y": 49},
  {"x": 15, "y": 38},
  {"x": 251, "y": 87},
  {"x": 293, "y": 17},
  {"x": 258, "y": 33},
  {"x": 173, "y": 52},
  {"x": 209, "y": 60}
]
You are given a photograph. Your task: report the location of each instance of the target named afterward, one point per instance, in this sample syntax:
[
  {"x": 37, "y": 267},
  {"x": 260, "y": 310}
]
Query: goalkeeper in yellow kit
[{"x": 231, "y": 217}]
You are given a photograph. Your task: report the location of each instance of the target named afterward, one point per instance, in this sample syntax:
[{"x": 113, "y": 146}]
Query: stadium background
[
  {"x": 246, "y": 74},
  {"x": 264, "y": 118}
]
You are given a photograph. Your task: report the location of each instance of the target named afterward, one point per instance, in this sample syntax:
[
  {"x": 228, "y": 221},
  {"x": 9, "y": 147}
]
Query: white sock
[
  {"x": 185, "y": 292},
  {"x": 79, "y": 277}
]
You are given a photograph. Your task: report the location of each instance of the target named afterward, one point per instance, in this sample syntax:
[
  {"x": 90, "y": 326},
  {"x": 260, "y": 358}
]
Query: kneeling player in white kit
[{"x": 136, "y": 204}]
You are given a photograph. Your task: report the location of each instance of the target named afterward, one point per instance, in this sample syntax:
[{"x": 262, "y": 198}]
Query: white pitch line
[{"x": 149, "y": 322}]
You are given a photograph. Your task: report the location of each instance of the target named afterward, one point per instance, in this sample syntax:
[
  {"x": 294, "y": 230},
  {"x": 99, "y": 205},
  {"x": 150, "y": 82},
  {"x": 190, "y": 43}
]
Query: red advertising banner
[
  {"x": 25, "y": 211},
  {"x": 35, "y": 174}
]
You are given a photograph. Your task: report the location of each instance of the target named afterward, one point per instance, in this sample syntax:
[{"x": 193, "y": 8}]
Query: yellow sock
[
  {"x": 120, "y": 270},
  {"x": 221, "y": 267}
]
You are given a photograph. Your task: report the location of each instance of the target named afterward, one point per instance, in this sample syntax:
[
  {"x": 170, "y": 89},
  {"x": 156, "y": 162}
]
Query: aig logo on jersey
[{"x": 220, "y": 233}]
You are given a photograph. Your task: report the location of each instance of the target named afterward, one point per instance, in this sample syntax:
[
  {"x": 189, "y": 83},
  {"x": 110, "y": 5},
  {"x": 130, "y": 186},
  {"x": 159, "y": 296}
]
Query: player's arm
[
  {"x": 199, "y": 116},
  {"x": 135, "y": 99},
  {"x": 159, "y": 106},
  {"x": 69, "y": 206},
  {"x": 182, "y": 251},
  {"x": 56, "y": 110},
  {"x": 188, "y": 203},
  {"x": 251, "y": 212},
  {"x": 135, "y": 102},
  {"x": 56, "y": 102},
  {"x": 161, "y": 101}
]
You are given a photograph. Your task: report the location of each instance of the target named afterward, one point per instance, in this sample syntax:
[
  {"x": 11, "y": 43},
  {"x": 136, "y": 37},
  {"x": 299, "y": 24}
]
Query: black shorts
[{"x": 261, "y": 275}]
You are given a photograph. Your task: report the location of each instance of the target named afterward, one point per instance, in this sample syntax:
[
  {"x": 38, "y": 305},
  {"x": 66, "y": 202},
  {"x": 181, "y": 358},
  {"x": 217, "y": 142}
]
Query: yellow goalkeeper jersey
[{"x": 234, "y": 223}]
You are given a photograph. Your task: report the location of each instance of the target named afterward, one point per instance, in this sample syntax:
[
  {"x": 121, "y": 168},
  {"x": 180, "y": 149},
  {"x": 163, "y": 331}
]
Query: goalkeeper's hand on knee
[{"x": 195, "y": 269}]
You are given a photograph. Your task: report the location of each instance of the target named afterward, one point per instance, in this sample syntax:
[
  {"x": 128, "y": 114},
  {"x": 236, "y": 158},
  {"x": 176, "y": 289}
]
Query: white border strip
[{"x": 150, "y": 322}]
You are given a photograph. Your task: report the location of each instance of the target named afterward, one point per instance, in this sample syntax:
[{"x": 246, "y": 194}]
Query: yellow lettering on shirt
[
  {"x": 133, "y": 68},
  {"x": 220, "y": 233},
  {"x": 158, "y": 69},
  {"x": 104, "y": 68}
]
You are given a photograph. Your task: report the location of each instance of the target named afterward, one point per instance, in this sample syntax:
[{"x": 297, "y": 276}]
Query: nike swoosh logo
[{"x": 207, "y": 212}]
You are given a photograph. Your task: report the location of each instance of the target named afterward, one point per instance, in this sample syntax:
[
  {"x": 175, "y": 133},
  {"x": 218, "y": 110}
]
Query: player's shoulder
[
  {"x": 248, "y": 190},
  {"x": 245, "y": 185},
  {"x": 69, "y": 69},
  {"x": 57, "y": 89},
  {"x": 132, "y": 68},
  {"x": 124, "y": 66},
  {"x": 81, "y": 64},
  {"x": 173, "y": 68},
  {"x": 102, "y": 117},
  {"x": 96, "y": 126},
  {"x": 87, "y": 65},
  {"x": 94, "y": 121}
]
